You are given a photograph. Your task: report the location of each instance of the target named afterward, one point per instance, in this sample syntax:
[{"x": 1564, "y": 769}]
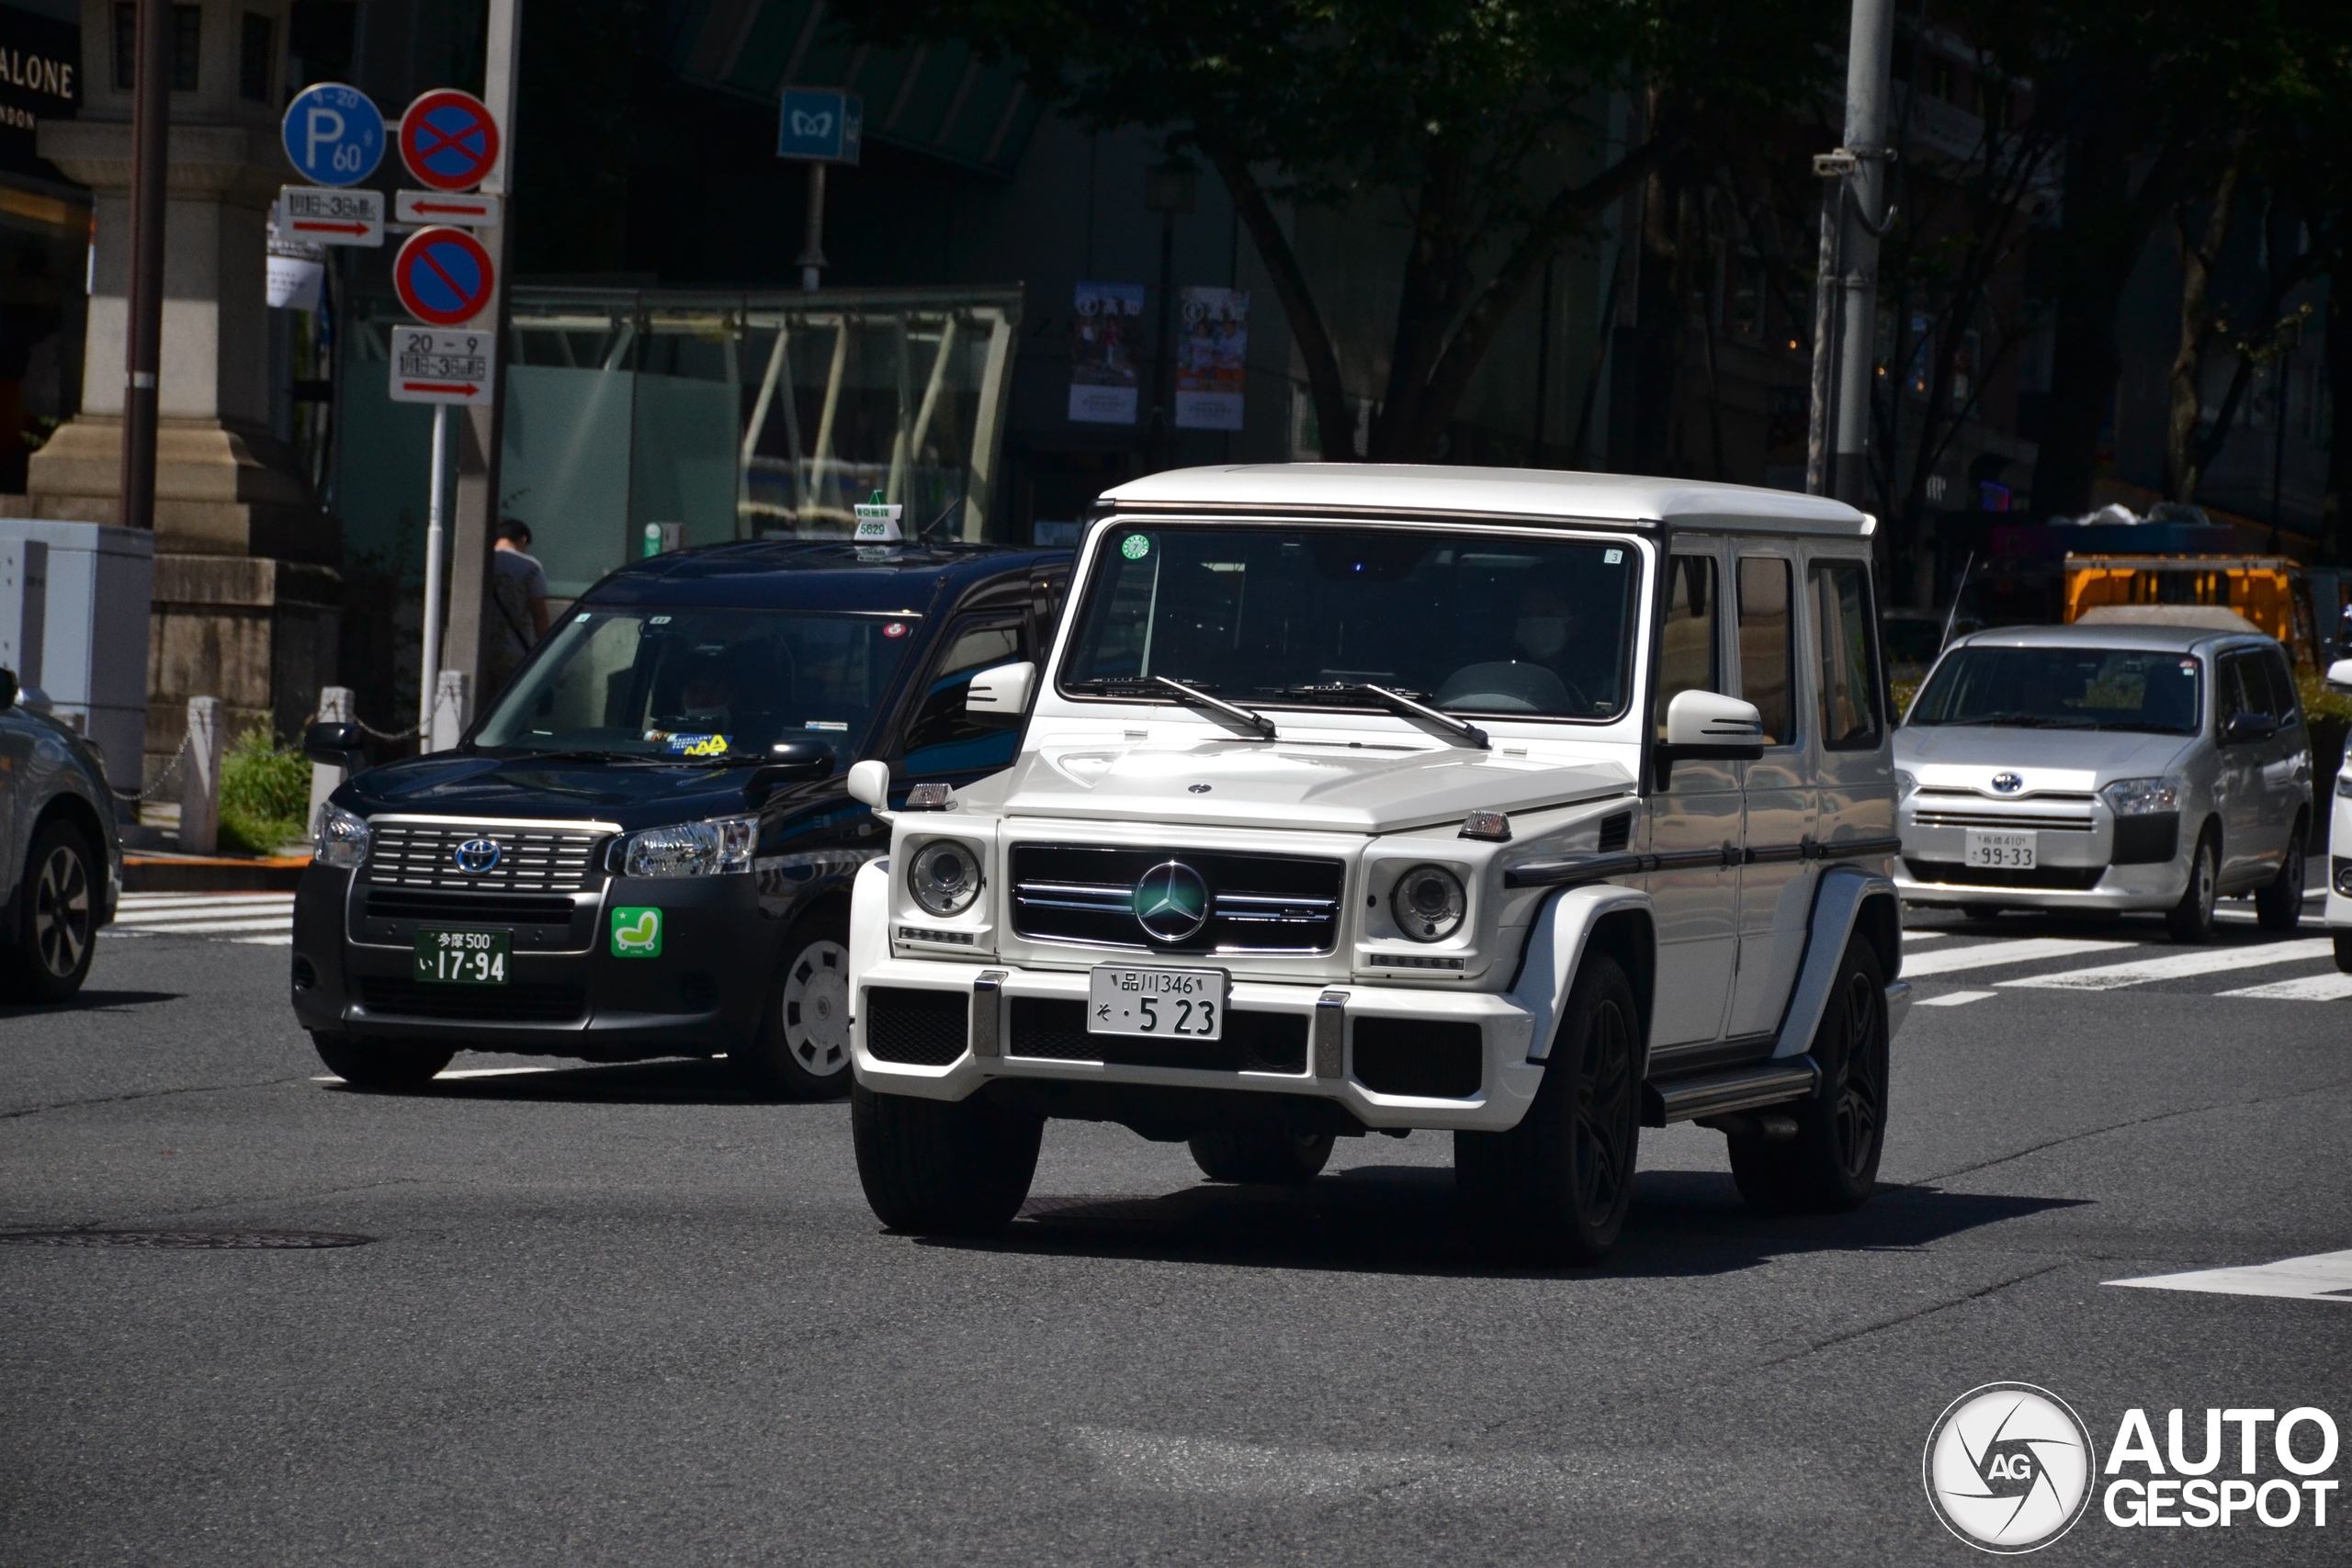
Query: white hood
[
  {"x": 1970, "y": 754},
  {"x": 1335, "y": 788}
]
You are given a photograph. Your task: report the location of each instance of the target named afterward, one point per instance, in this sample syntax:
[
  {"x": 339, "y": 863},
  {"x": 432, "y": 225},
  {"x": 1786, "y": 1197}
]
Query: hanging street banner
[
  {"x": 1109, "y": 326},
  {"x": 443, "y": 276},
  {"x": 430, "y": 367},
  {"x": 1210, "y": 360},
  {"x": 820, "y": 127},
  {"x": 449, "y": 139},
  {"x": 467, "y": 210},
  {"x": 321, "y": 217},
  {"x": 334, "y": 134}
]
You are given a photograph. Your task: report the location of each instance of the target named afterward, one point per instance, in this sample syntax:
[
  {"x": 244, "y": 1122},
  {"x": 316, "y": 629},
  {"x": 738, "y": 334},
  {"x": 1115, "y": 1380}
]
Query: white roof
[{"x": 1392, "y": 489}]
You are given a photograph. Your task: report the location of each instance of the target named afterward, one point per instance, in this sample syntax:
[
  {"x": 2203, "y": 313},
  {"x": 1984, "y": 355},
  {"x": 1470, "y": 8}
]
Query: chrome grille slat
[
  {"x": 530, "y": 860},
  {"x": 2011, "y": 822},
  {"x": 1057, "y": 898}
]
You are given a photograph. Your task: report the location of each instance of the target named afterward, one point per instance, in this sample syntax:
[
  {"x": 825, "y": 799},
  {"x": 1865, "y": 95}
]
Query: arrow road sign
[
  {"x": 334, "y": 134},
  {"x": 821, "y": 127},
  {"x": 471, "y": 210},
  {"x": 444, "y": 277},
  {"x": 449, "y": 139},
  {"x": 431, "y": 367},
  {"x": 325, "y": 216}
]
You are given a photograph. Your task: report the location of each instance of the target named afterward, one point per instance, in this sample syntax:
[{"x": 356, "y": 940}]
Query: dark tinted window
[
  {"x": 2063, "y": 688},
  {"x": 1687, "y": 654},
  {"x": 1767, "y": 654},
  {"x": 1848, "y": 686},
  {"x": 944, "y": 738}
]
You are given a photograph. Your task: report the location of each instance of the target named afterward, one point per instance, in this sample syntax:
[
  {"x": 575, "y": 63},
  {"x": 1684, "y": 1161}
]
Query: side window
[
  {"x": 2230, "y": 698},
  {"x": 1687, "y": 648},
  {"x": 2285, "y": 704},
  {"x": 942, "y": 738},
  {"x": 1848, "y": 685},
  {"x": 1765, "y": 637}
]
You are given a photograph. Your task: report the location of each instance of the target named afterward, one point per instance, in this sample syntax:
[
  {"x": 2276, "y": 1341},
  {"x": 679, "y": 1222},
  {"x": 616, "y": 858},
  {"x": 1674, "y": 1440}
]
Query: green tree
[{"x": 1479, "y": 122}]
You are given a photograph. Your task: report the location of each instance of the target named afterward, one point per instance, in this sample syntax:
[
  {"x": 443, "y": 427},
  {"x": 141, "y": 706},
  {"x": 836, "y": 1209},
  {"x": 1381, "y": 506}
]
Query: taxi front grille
[
  {"x": 1258, "y": 903},
  {"x": 530, "y": 860},
  {"x": 2003, "y": 821}
]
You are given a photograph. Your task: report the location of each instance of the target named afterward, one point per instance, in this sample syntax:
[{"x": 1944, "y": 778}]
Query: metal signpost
[{"x": 819, "y": 128}]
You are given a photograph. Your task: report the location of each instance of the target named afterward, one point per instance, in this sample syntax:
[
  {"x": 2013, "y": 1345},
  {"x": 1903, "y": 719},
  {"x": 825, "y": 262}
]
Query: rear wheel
[
  {"x": 941, "y": 1168},
  {"x": 2278, "y": 904},
  {"x": 1555, "y": 1188},
  {"x": 802, "y": 1048},
  {"x": 2191, "y": 920},
  {"x": 58, "y": 933},
  {"x": 391, "y": 1066},
  {"x": 1273, "y": 1155},
  {"x": 1831, "y": 1163}
]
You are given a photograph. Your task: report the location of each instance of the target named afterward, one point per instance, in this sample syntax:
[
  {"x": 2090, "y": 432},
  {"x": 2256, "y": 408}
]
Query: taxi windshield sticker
[{"x": 691, "y": 745}]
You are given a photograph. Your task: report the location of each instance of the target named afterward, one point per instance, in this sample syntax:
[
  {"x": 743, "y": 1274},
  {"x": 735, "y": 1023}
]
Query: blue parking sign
[
  {"x": 821, "y": 127},
  {"x": 334, "y": 134}
]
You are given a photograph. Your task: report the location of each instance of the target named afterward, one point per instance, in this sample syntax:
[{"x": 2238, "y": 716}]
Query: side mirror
[
  {"x": 870, "y": 782},
  {"x": 1708, "y": 724},
  {"x": 341, "y": 745},
  {"x": 790, "y": 762},
  {"x": 7, "y": 688},
  {"x": 2248, "y": 727},
  {"x": 2339, "y": 676},
  {"x": 1003, "y": 691}
]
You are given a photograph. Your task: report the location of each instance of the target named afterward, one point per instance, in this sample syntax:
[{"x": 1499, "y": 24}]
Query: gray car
[
  {"x": 2106, "y": 768},
  {"x": 61, "y": 861}
]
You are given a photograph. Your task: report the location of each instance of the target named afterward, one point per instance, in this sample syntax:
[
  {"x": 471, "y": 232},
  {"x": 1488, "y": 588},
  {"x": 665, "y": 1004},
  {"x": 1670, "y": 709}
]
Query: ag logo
[
  {"x": 476, "y": 855},
  {"x": 1171, "y": 902},
  {"x": 2008, "y": 783},
  {"x": 2009, "y": 1468},
  {"x": 636, "y": 933}
]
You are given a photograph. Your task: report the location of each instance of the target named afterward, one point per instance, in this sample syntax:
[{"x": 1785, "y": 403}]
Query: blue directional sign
[
  {"x": 821, "y": 127},
  {"x": 334, "y": 134}
]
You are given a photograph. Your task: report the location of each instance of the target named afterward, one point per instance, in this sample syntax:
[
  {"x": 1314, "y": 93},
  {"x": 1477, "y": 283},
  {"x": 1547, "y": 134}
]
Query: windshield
[
  {"x": 1466, "y": 623},
  {"x": 2063, "y": 688},
  {"x": 688, "y": 683}
]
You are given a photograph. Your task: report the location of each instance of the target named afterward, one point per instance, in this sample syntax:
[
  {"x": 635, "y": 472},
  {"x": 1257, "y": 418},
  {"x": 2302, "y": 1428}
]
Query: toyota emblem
[
  {"x": 1171, "y": 902},
  {"x": 2008, "y": 783},
  {"x": 476, "y": 855}
]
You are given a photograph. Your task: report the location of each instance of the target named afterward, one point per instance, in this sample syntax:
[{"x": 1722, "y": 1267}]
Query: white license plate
[
  {"x": 2005, "y": 851},
  {"x": 1185, "y": 1004}
]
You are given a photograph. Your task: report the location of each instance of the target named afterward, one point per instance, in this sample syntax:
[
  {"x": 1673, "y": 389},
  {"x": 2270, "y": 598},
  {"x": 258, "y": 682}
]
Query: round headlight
[
  {"x": 1429, "y": 903},
  {"x": 944, "y": 877}
]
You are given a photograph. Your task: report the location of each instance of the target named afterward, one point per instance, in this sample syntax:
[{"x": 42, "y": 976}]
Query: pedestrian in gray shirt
[{"x": 518, "y": 598}]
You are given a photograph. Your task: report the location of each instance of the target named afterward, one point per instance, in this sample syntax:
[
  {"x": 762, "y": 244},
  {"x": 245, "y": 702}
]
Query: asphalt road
[{"x": 615, "y": 1315}]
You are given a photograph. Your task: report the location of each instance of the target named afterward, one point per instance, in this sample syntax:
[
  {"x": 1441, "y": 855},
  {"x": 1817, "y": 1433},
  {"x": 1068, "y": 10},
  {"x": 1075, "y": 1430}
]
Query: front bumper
[
  {"x": 2076, "y": 865},
  {"x": 1332, "y": 1016},
  {"x": 567, "y": 994}
]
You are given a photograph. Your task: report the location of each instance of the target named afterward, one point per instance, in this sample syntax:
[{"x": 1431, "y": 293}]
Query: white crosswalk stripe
[
  {"x": 263, "y": 920},
  {"x": 2180, "y": 965},
  {"x": 2322, "y": 1277},
  {"x": 2309, "y": 988},
  {"x": 1991, "y": 955}
]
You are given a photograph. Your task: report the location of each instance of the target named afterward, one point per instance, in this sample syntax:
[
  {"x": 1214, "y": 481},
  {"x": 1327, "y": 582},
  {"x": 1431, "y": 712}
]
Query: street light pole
[
  {"x": 150, "y": 130},
  {"x": 1854, "y": 218}
]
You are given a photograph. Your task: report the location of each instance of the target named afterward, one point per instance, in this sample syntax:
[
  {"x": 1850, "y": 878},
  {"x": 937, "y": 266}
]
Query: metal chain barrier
[
  {"x": 410, "y": 733},
  {"x": 172, "y": 768}
]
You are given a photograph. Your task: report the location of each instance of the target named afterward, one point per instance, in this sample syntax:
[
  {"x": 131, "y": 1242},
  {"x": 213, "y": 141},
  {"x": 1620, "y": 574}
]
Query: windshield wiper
[
  {"x": 2028, "y": 721},
  {"x": 1257, "y": 724},
  {"x": 580, "y": 755},
  {"x": 1402, "y": 705}
]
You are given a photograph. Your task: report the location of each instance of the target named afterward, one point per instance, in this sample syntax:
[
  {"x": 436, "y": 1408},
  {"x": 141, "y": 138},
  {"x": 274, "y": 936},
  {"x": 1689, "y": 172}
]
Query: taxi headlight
[
  {"x": 943, "y": 876},
  {"x": 2140, "y": 798},
  {"x": 341, "y": 841},
  {"x": 719, "y": 847},
  {"x": 1904, "y": 783},
  {"x": 1429, "y": 903},
  {"x": 2344, "y": 786}
]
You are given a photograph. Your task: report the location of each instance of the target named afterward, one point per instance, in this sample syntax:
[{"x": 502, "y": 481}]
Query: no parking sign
[
  {"x": 444, "y": 277},
  {"x": 449, "y": 139}
]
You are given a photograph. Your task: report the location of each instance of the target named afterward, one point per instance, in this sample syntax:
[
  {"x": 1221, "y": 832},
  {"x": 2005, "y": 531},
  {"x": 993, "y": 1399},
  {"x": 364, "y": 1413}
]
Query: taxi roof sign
[{"x": 877, "y": 524}]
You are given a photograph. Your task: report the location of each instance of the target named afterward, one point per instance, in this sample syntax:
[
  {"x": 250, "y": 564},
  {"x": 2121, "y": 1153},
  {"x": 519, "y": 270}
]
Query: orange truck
[{"x": 2273, "y": 592}]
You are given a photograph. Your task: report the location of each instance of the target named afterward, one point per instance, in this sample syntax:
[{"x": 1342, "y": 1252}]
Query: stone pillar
[{"x": 246, "y": 586}]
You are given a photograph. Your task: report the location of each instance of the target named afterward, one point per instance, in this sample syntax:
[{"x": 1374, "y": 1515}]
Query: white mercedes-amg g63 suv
[{"x": 1538, "y": 807}]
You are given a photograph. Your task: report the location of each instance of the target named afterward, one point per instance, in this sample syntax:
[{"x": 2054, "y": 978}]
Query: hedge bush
[{"x": 265, "y": 795}]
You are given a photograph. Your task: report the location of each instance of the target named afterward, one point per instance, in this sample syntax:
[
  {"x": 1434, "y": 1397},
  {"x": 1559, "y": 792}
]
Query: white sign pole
[{"x": 428, "y": 679}]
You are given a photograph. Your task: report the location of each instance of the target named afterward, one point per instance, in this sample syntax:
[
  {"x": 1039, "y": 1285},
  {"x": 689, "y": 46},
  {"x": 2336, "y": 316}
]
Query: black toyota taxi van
[{"x": 644, "y": 845}]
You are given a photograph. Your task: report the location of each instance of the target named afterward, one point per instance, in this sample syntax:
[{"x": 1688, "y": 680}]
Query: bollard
[
  {"x": 200, "y": 779},
  {"x": 336, "y": 705},
  {"x": 451, "y": 701}
]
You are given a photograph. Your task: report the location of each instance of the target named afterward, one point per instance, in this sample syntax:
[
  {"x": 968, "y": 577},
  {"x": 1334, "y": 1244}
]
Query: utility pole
[
  {"x": 150, "y": 132},
  {"x": 1854, "y": 218},
  {"x": 480, "y": 433}
]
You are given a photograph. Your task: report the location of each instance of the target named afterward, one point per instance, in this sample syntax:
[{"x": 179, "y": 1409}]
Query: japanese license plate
[
  {"x": 463, "y": 957},
  {"x": 2003, "y": 851},
  {"x": 1182, "y": 1003}
]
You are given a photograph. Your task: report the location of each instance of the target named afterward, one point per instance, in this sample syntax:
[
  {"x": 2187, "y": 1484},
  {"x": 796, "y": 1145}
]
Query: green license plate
[{"x": 463, "y": 958}]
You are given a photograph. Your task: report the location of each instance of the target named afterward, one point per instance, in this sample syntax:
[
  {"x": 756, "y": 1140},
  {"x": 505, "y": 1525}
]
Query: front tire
[
  {"x": 1831, "y": 1164},
  {"x": 802, "y": 1048},
  {"x": 1272, "y": 1155},
  {"x": 1555, "y": 1188},
  {"x": 939, "y": 1168},
  {"x": 2343, "y": 952},
  {"x": 2278, "y": 903},
  {"x": 2191, "y": 920},
  {"x": 58, "y": 936},
  {"x": 383, "y": 1066}
]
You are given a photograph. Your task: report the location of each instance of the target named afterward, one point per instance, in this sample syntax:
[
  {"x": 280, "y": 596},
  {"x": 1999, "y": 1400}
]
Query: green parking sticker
[{"x": 636, "y": 933}]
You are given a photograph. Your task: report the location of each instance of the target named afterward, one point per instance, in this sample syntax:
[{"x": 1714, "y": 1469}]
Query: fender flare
[
  {"x": 869, "y": 925},
  {"x": 1554, "y": 950},
  {"x": 1839, "y": 905}
]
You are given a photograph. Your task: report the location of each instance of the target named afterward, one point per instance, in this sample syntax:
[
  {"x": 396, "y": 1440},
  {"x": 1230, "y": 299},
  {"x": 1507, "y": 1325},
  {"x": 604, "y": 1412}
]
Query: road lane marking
[
  {"x": 2309, "y": 988},
  {"x": 1953, "y": 998},
  {"x": 473, "y": 1073},
  {"x": 285, "y": 941},
  {"x": 2322, "y": 1277},
  {"x": 200, "y": 912},
  {"x": 2017, "y": 950},
  {"x": 176, "y": 901},
  {"x": 1910, "y": 937},
  {"x": 199, "y": 927},
  {"x": 2177, "y": 966}
]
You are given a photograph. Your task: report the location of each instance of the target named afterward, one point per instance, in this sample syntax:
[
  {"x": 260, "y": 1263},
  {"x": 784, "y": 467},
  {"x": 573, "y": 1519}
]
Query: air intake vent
[
  {"x": 1429, "y": 1061},
  {"x": 921, "y": 1029},
  {"x": 1616, "y": 831}
]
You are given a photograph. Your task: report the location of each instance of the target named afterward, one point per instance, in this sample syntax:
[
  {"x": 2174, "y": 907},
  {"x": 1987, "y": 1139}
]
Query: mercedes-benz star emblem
[
  {"x": 476, "y": 856},
  {"x": 2008, "y": 783},
  {"x": 1171, "y": 902}
]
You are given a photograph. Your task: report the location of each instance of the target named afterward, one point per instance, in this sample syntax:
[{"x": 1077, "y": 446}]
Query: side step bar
[{"x": 1713, "y": 1094}]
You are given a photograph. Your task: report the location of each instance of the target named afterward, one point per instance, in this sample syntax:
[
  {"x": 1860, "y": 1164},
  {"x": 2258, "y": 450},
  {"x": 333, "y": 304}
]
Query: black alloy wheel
[
  {"x": 59, "y": 935},
  {"x": 1820, "y": 1155},
  {"x": 2279, "y": 903}
]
